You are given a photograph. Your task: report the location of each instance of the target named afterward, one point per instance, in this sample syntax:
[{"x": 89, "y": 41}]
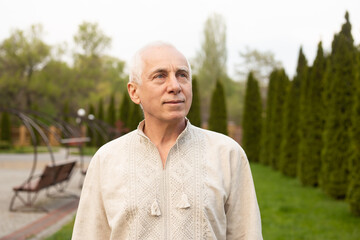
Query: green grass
[
  {"x": 291, "y": 211},
  {"x": 64, "y": 233}
]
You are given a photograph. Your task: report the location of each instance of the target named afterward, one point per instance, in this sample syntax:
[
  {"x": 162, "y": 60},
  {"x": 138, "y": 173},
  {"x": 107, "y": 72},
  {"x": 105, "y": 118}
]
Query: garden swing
[{"x": 55, "y": 175}]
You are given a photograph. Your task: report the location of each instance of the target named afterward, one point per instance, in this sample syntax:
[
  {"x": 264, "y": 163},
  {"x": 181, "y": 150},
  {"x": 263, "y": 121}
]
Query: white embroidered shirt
[{"x": 205, "y": 191}]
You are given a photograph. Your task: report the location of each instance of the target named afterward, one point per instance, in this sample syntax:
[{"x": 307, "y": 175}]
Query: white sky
[{"x": 280, "y": 26}]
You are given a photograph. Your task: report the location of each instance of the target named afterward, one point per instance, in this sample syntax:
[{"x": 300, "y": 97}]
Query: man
[{"x": 167, "y": 179}]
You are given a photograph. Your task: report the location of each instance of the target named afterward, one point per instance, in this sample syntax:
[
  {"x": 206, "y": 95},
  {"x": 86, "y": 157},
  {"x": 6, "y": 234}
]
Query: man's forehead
[
  {"x": 163, "y": 57},
  {"x": 162, "y": 52}
]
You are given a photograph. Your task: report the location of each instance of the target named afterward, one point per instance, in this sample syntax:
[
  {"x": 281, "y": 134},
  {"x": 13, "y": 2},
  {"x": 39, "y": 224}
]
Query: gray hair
[{"x": 136, "y": 63}]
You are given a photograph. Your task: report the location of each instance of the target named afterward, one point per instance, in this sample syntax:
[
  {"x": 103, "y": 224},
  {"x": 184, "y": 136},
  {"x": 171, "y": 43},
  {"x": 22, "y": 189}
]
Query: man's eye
[
  {"x": 160, "y": 76},
  {"x": 183, "y": 75}
]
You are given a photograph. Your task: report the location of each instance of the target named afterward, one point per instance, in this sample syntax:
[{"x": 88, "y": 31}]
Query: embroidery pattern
[{"x": 185, "y": 174}]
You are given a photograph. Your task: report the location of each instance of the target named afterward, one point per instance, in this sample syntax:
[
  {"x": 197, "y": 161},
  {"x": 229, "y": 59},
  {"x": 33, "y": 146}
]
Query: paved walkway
[{"x": 14, "y": 170}]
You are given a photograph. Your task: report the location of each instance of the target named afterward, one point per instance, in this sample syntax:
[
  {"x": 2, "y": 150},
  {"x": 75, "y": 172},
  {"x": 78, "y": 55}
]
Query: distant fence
[{"x": 21, "y": 136}]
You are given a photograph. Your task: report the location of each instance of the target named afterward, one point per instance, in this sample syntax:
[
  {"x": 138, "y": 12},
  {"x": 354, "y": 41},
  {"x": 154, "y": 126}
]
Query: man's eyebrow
[
  {"x": 165, "y": 70},
  {"x": 158, "y": 70},
  {"x": 184, "y": 69}
]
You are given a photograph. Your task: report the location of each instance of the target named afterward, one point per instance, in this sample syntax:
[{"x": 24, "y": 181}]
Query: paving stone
[{"x": 14, "y": 170}]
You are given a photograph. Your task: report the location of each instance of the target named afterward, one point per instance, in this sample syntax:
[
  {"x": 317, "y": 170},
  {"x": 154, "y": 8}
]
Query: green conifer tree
[
  {"x": 38, "y": 138},
  {"x": 304, "y": 120},
  {"x": 309, "y": 161},
  {"x": 252, "y": 119},
  {"x": 100, "y": 112},
  {"x": 353, "y": 193},
  {"x": 218, "y": 112},
  {"x": 290, "y": 142},
  {"x": 125, "y": 110},
  {"x": 111, "y": 113},
  {"x": 337, "y": 143},
  {"x": 194, "y": 114},
  {"x": 135, "y": 116},
  {"x": 276, "y": 124},
  {"x": 266, "y": 126},
  {"x": 91, "y": 132},
  {"x": 5, "y": 129},
  {"x": 66, "y": 112},
  {"x": 100, "y": 116}
]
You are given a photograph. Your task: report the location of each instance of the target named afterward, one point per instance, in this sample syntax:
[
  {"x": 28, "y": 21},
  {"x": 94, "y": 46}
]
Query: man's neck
[{"x": 163, "y": 133}]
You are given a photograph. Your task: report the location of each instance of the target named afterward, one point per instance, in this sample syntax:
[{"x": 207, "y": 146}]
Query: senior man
[{"x": 167, "y": 179}]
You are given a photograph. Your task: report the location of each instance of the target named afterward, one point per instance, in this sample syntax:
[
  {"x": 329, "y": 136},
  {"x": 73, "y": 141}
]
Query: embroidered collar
[{"x": 184, "y": 133}]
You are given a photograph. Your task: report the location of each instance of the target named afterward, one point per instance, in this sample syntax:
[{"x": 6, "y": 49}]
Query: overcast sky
[{"x": 280, "y": 26}]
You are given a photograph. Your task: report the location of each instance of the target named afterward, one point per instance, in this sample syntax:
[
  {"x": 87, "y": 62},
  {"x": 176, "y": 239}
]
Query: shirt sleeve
[
  {"x": 91, "y": 221},
  {"x": 242, "y": 210}
]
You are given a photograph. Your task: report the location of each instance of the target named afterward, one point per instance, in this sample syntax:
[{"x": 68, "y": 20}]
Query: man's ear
[{"x": 133, "y": 92}]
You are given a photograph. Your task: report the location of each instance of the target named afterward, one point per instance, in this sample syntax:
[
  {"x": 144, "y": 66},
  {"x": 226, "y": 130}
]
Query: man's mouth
[{"x": 174, "y": 102}]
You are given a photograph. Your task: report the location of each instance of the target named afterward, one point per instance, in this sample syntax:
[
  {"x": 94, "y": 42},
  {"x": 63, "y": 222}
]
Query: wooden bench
[{"x": 52, "y": 176}]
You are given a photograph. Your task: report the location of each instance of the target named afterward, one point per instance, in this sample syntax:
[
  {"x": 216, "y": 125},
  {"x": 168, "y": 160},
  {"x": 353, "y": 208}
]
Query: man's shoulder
[
  {"x": 117, "y": 143},
  {"x": 215, "y": 138},
  {"x": 216, "y": 143}
]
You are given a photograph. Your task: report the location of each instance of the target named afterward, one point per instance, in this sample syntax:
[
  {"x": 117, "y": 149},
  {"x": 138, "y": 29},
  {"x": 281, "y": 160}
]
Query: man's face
[{"x": 165, "y": 92}]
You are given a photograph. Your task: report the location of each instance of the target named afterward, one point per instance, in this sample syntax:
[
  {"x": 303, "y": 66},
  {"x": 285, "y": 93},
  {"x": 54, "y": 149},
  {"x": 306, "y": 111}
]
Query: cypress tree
[
  {"x": 124, "y": 110},
  {"x": 38, "y": 138},
  {"x": 66, "y": 112},
  {"x": 252, "y": 119},
  {"x": 100, "y": 116},
  {"x": 135, "y": 116},
  {"x": 90, "y": 132},
  {"x": 218, "y": 112},
  {"x": 266, "y": 126},
  {"x": 326, "y": 94},
  {"x": 194, "y": 114},
  {"x": 309, "y": 161},
  {"x": 5, "y": 128},
  {"x": 303, "y": 124},
  {"x": 276, "y": 124},
  {"x": 111, "y": 113},
  {"x": 353, "y": 193},
  {"x": 100, "y": 112},
  {"x": 290, "y": 143},
  {"x": 337, "y": 143}
]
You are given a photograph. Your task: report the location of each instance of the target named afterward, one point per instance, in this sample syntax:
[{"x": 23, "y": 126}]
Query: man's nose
[{"x": 174, "y": 85}]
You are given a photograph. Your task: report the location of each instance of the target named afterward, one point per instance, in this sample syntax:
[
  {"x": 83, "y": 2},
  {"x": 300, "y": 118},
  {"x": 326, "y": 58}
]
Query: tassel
[
  {"x": 155, "y": 209},
  {"x": 184, "y": 203}
]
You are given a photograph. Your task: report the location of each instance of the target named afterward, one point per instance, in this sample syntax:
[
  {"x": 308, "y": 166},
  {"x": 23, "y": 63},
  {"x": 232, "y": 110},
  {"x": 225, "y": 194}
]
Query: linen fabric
[{"x": 205, "y": 190}]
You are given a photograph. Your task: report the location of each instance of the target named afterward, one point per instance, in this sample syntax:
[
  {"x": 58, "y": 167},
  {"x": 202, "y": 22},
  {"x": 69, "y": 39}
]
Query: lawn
[
  {"x": 290, "y": 211},
  {"x": 64, "y": 233}
]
